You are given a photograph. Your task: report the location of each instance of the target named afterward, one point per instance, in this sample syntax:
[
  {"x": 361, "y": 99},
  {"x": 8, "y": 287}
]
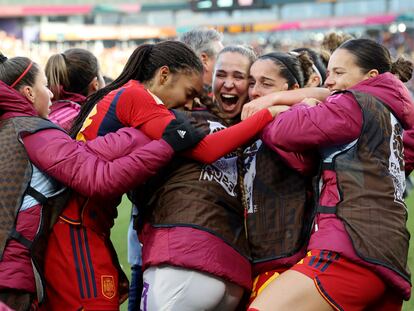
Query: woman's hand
[
  {"x": 256, "y": 105},
  {"x": 275, "y": 110},
  {"x": 310, "y": 101},
  {"x": 290, "y": 98}
]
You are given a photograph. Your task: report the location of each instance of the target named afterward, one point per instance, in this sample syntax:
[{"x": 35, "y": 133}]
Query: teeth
[{"x": 228, "y": 96}]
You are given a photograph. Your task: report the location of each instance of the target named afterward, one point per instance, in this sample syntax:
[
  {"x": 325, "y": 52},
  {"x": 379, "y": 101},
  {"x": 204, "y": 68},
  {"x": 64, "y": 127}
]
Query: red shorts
[
  {"x": 346, "y": 285},
  {"x": 79, "y": 271}
]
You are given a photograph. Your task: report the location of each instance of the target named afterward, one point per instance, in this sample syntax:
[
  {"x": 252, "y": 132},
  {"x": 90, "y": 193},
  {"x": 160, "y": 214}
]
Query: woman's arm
[
  {"x": 305, "y": 163},
  {"x": 105, "y": 167},
  {"x": 337, "y": 120},
  {"x": 288, "y": 98},
  {"x": 218, "y": 144},
  {"x": 152, "y": 118}
]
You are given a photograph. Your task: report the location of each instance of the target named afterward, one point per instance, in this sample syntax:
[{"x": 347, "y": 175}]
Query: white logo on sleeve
[{"x": 181, "y": 133}]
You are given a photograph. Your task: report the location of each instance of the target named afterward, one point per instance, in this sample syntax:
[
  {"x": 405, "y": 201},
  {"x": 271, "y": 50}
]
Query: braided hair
[{"x": 142, "y": 66}]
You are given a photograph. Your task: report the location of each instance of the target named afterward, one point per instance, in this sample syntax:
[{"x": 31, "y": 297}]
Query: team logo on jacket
[
  {"x": 108, "y": 286},
  {"x": 396, "y": 161}
]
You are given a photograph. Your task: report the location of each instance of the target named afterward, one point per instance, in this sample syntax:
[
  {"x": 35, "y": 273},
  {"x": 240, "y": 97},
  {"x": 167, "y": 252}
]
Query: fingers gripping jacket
[{"x": 181, "y": 135}]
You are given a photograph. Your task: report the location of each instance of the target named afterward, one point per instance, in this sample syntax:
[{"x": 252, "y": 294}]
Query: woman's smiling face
[
  {"x": 343, "y": 72},
  {"x": 231, "y": 82},
  {"x": 265, "y": 78}
]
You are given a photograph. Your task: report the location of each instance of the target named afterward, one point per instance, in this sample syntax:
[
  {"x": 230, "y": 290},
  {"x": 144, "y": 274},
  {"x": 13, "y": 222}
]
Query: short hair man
[{"x": 206, "y": 43}]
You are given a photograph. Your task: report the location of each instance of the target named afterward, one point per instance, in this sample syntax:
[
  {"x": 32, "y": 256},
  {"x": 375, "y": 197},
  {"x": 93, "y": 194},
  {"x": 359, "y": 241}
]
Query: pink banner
[
  {"x": 41, "y": 10},
  {"x": 57, "y": 10},
  {"x": 333, "y": 22}
]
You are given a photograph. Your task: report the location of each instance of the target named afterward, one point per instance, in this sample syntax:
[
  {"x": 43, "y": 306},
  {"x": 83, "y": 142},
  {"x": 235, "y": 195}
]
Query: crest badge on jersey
[{"x": 108, "y": 286}]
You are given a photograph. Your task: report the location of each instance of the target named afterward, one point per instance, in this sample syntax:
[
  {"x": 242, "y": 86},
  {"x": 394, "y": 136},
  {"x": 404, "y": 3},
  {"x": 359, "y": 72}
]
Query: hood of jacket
[
  {"x": 74, "y": 97},
  {"x": 392, "y": 92},
  {"x": 14, "y": 104}
]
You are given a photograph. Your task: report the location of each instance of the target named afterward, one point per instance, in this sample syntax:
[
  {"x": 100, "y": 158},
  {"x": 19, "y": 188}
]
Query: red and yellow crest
[{"x": 108, "y": 286}]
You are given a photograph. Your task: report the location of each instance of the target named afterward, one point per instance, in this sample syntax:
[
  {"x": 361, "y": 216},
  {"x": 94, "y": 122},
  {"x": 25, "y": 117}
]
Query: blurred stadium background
[{"x": 111, "y": 29}]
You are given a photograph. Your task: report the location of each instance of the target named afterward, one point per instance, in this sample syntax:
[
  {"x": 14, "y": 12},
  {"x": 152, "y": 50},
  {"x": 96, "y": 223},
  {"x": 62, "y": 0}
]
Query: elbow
[
  {"x": 277, "y": 142},
  {"x": 272, "y": 139}
]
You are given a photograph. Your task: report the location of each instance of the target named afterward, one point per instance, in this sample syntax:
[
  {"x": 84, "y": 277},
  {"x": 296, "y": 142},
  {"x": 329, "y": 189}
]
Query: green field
[{"x": 119, "y": 234}]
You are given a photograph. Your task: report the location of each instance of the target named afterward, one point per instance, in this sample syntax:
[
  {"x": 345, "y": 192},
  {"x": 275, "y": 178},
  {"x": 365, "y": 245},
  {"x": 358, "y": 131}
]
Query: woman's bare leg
[{"x": 291, "y": 291}]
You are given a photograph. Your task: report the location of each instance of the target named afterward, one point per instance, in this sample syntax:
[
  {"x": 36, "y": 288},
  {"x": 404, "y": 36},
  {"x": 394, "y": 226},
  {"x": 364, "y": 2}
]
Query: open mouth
[{"x": 228, "y": 101}]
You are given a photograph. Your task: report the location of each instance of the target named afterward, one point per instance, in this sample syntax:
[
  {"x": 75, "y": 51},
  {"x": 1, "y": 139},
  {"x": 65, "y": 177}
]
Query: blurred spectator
[
  {"x": 333, "y": 40},
  {"x": 113, "y": 59},
  {"x": 206, "y": 43}
]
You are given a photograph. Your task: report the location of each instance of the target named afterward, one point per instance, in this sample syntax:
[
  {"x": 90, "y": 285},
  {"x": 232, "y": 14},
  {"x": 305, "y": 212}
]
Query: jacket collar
[{"x": 13, "y": 104}]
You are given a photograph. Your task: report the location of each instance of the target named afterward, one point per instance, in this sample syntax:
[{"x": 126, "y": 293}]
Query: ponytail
[
  {"x": 72, "y": 70},
  {"x": 307, "y": 67},
  {"x": 57, "y": 74},
  {"x": 136, "y": 61},
  {"x": 320, "y": 62},
  {"x": 142, "y": 66},
  {"x": 402, "y": 68}
]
